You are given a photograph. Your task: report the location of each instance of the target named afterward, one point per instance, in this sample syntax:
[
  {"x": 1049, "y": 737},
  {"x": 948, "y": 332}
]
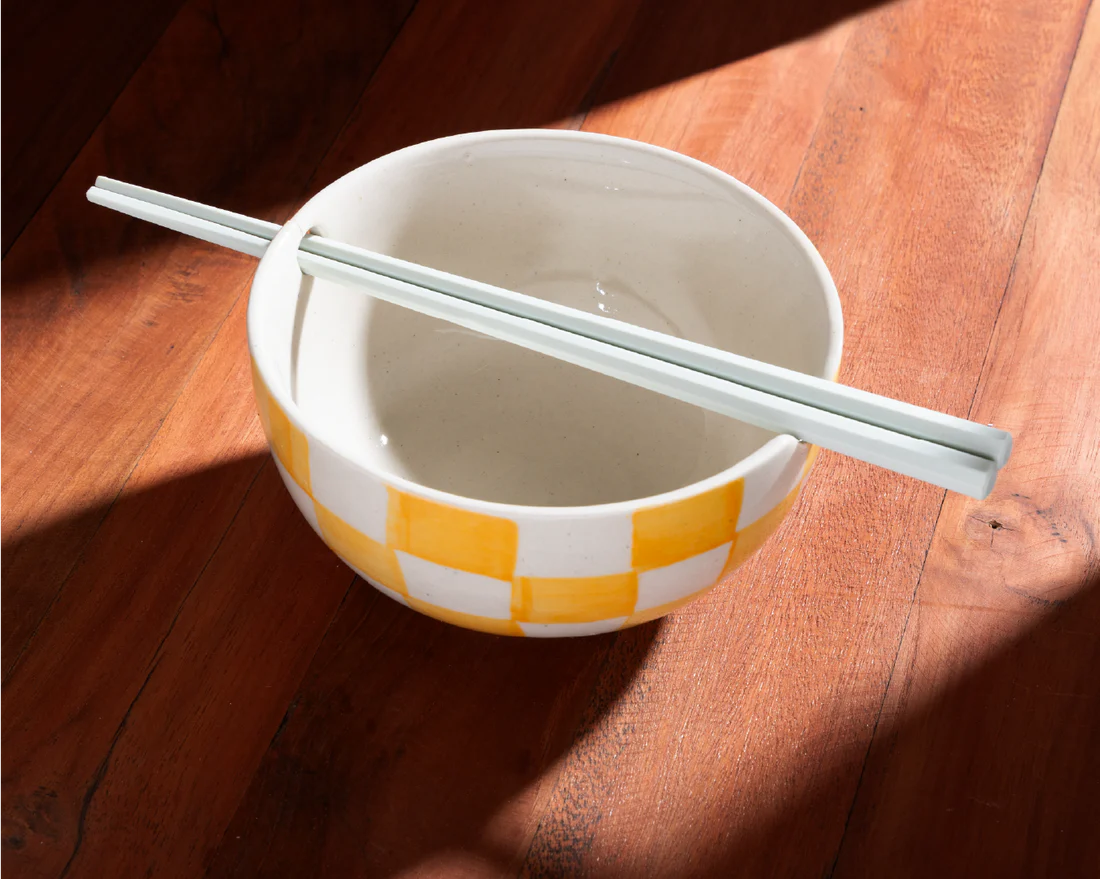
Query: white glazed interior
[{"x": 597, "y": 223}]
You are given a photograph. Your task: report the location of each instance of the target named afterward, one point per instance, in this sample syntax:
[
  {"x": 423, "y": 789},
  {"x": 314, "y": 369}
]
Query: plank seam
[
  {"x": 190, "y": 376},
  {"x": 1027, "y": 217},
  {"x": 817, "y": 125},
  {"x": 885, "y": 693},
  {"x": 359, "y": 100},
  {"x": 973, "y": 400},
  {"x": 101, "y": 771},
  {"x": 594, "y": 92},
  {"x": 111, "y": 504},
  {"x": 291, "y": 708}
]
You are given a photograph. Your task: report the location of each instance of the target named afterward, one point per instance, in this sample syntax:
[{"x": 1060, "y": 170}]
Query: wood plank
[
  {"x": 988, "y": 741},
  {"x": 92, "y": 656},
  {"x": 750, "y": 731},
  {"x": 64, "y": 63},
  {"x": 489, "y": 68},
  {"x": 753, "y": 119},
  {"x": 95, "y": 648},
  {"x": 183, "y": 654},
  {"x": 673, "y": 41},
  {"x": 104, "y": 318},
  {"x": 158, "y": 756},
  {"x": 380, "y": 791},
  {"x": 415, "y": 748}
]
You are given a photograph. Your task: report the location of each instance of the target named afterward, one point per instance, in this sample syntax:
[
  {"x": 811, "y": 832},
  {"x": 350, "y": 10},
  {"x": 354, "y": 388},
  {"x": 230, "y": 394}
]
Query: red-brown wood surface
[
  {"x": 897, "y": 684},
  {"x": 104, "y": 319},
  {"x": 64, "y": 63},
  {"x": 987, "y": 742}
]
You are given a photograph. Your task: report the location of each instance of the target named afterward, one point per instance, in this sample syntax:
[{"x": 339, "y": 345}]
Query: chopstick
[{"x": 941, "y": 449}]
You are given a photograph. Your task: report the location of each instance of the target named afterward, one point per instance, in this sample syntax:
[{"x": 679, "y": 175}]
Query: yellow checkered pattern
[
  {"x": 289, "y": 443},
  {"x": 488, "y": 545}
]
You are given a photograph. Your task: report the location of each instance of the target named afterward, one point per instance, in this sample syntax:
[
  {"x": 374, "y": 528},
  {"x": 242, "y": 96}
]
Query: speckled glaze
[{"x": 500, "y": 489}]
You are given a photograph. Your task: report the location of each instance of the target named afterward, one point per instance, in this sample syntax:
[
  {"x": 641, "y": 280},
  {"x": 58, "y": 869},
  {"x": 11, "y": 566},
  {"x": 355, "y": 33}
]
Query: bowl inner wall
[{"x": 608, "y": 230}]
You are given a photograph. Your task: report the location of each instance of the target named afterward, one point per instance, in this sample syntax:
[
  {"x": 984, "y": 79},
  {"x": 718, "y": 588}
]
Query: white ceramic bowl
[{"x": 499, "y": 489}]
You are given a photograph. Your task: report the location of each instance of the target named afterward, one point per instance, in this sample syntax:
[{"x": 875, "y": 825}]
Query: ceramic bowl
[{"x": 499, "y": 489}]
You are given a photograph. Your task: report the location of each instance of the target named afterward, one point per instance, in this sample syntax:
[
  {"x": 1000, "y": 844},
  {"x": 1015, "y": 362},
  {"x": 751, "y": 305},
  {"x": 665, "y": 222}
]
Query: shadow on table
[
  {"x": 418, "y": 747},
  {"x": 410, "y": 740},
  {"x": 203, "y": 147},
  {"x": 405, "y": 731},
  {"x": 672, "y": 41},
  {"x": 412, "y": 745},
  {"x": 994, "y": 776}
]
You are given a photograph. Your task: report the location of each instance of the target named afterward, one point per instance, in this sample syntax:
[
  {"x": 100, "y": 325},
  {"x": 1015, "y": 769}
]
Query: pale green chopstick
[{"x": 947, "y": 451}]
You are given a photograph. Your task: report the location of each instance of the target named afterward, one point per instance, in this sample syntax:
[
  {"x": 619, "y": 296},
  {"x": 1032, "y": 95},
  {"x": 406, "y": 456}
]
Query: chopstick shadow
[{"x": 663, "y": 42}]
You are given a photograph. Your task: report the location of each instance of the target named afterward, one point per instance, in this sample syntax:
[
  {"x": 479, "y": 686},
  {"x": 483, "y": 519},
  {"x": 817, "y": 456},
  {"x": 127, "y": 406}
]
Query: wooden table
[{"x": 898, "y": 684}]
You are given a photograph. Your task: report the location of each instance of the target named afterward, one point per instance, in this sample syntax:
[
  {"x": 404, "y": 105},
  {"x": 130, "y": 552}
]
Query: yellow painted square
[
  {"x": 467, "y": 620},
  {"x": 377, "y": 561},
  {"x": 259, "y": 389},
  {"x": 811, "y": 456},
  {"x": 451, "y": 536},
  {"x": 652, "y": 613},
  {"x": 290, "y": 444},
  {"x": 573, "y": 599},
  {"x": 677, "y": 531},
  {"x": 752, "y": 537}
]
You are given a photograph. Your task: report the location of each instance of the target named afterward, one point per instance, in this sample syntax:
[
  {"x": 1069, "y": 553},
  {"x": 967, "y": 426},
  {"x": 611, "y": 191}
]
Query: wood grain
[
  {"x": 90, "y": 373},
  {"x": 668, "y": 42},
  {"x": 920, "y": 174},
  {"x": 753, "y": 119},
  {"x": 435, "y": 756},
  {"x": 96, "y": 649},
  {"x": 142, "y": 645},
  {"x": 104, "y": 319},
  {"x": 1016, "y": 575},
  {"x": 204, "y": 693},
  {"x": 465, "y": 65},
  {"x": 64, "y": 63},
  {"x": 423, "y": 809}
]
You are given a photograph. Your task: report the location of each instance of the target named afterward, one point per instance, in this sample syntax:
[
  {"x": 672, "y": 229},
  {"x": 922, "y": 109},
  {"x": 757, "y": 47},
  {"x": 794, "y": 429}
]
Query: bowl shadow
[
  {"x": 411, "y": 741},
  {"x": 406, "y": 736}
]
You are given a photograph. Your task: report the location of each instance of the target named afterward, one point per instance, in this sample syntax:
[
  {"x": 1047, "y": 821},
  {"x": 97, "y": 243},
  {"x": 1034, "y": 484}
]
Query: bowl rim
[{"x": 779, "y": 446}]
